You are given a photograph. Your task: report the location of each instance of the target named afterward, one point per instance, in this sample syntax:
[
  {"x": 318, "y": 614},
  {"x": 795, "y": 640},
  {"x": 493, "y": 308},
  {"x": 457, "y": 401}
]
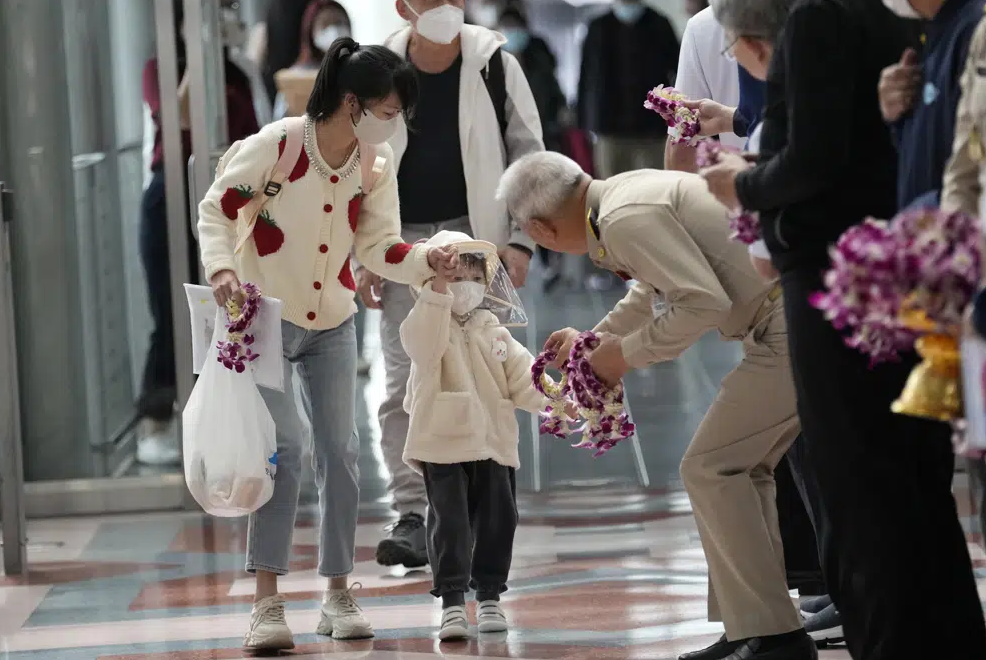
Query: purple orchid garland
[
  {"x": 555, "y": 421},
  {"x": 928, "y": 259},
  {"x": 235, "y": 353},
  {"x": 667, "y": 102},
  {"x": 606, "y": 420},
  {"x": 744, "y": 226}
]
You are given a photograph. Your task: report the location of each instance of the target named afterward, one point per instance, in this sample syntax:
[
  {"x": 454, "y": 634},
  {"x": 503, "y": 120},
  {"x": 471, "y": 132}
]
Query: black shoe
[
  {"x": 406, "y": 543},
  {"x": 717, "y": 651},
  {"x": 825, "y": 627},
  {"x": 798, "y": 647}
]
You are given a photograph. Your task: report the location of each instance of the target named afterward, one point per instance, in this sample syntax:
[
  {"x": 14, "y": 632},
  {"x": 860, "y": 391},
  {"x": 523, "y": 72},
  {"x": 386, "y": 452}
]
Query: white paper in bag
[
  {"x": 973, "y": 394},
  {"x": 268, "y": 370}
]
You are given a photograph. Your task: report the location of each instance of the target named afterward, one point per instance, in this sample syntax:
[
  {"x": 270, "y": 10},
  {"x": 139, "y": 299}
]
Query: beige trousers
[{"x": 728, "y": 471}]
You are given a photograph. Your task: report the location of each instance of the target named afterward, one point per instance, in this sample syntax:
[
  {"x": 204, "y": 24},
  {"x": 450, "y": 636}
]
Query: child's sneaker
[
  {"x": 268, "y": 629},
  {"x": 455, "y": 625},
  {"x": 342, "y": 618},
  {"x": 490, "y": 617}
]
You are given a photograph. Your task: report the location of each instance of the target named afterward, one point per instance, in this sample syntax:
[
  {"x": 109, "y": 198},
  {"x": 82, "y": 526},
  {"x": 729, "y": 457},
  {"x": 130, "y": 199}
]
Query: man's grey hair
[
  {"x": 538, "y": 185},
  {"x": 760, "y": 19}
]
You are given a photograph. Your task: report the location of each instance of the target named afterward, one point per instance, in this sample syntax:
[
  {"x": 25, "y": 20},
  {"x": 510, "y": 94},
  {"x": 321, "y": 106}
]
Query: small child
[{"x": 468, "y": 374}]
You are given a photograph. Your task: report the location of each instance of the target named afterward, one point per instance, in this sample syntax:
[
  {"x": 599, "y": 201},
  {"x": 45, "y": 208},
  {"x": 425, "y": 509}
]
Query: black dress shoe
[
  {"x": 801, "y": 647},
  {"x": 717, "y": 651}
]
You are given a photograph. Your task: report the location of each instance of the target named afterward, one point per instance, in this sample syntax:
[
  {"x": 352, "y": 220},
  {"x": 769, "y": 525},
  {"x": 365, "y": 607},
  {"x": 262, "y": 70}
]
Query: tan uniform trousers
[{"x": 728, "y": 471}]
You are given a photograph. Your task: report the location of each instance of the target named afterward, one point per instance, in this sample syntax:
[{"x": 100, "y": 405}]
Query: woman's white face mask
[
  {"x": 467, "y": 296},
  {"x": 324, "y": 38},
  {"x": 373, "y": 130},
  {"x": 440, "y": 25}
]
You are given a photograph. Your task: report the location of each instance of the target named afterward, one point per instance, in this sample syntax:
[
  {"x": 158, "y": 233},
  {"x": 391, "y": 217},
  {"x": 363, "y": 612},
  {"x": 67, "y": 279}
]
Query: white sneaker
[
  {"x": 268, "y": 629},
  {"x": 455, "y": 625},
  {"x": 159, "y": 446},
  {"x": 342, "y": 618},
  {"x": 490, "y": 617}
]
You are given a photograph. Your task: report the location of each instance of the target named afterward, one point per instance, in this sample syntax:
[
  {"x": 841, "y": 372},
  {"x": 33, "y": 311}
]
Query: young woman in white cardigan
[{"x": 298, "y": 250}]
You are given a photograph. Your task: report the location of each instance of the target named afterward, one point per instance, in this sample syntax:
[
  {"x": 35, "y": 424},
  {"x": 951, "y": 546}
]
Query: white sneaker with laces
[
  {"x": 491, "y": 617},
  {"x": 342, "y": 618},
  {"x": 455, "y": 625},
  {"x": 268, "y": 629}
]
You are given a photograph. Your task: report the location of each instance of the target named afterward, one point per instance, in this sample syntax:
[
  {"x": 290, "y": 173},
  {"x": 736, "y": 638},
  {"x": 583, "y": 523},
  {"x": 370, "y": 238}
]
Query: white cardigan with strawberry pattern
[{"x": 300, "y": 248}]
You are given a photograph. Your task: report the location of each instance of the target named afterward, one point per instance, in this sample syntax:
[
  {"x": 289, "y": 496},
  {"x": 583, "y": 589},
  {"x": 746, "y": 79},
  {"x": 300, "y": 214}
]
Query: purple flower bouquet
[
  {"x": 235, "y": 353},
  {"x": 925, "y": 260},
  {"x": 744, "y": 226},
  {"x": 667, "y": 102},
  {"x": 606, "y": 419}
]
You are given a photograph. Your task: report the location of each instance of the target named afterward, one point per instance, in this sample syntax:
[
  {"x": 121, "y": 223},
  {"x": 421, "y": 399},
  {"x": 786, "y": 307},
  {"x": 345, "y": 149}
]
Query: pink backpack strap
[
  {"x": 294, "y": 143},
  {"x": 371, "y": 166}
]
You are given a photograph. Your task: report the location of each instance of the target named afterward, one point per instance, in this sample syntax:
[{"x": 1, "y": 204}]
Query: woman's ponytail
[
  {"x": 327, "y": 93},
  {"x": 370, "y": 72}
]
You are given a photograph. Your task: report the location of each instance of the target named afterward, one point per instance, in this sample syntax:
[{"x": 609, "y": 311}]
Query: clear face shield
[{"x": 482, "y": 285}]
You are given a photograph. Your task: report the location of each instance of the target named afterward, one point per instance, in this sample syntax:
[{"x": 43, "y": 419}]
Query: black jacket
[
  {"x": 539, "y": 65},
  {"x": 620, "y": 64},
  {"x": 826, "y": 157}
]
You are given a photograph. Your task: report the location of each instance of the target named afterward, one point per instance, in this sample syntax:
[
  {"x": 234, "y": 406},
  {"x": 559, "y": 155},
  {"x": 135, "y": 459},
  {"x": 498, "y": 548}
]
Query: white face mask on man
[
  {"x": 440, "y": 25},
  {"x": 902, "y": 8},
  {"x": 373, "y": 130},
  {"x": 467, "y": 296},
  {"x": 324, "y": 38}
]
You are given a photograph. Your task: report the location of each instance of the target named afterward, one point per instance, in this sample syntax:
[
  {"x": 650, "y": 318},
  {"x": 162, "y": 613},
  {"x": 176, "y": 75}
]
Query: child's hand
[
  {"x": 439, "y": 284},
  {"x": 572, "y": 410}
]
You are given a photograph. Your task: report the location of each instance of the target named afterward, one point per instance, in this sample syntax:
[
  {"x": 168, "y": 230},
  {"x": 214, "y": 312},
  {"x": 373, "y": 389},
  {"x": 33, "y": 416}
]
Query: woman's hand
[
  {"x": 444, "y": 260},
  {"x": 713, "y": 118},
  {"x": 721, "y": 178},
  {"x": 765, "y": 268},
  {"x": 226, "y": 287},
  {"x": 369, "y": 286}
]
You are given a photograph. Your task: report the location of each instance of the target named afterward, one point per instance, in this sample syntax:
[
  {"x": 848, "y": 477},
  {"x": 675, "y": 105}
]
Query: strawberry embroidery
[
  {"x": 346, "y": 276},
  {"x": 267, "y": 235},
  {"x": 235, "y": 199},
  {"x": 395, "y": 253},
  {"x": 301, "y": 167},
  {"x": 354, "y": 207}
]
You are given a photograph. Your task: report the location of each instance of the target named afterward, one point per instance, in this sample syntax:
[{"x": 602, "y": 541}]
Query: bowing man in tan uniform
[{"x": 666, "y": 231}]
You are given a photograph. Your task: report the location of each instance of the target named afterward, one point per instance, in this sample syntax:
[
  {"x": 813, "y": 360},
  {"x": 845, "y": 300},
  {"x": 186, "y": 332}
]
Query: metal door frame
[{"x": 12, "y": 518}]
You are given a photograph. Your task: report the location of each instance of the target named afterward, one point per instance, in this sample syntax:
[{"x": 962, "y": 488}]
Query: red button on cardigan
[
  {"x": 318, "y": 286},
  {"x": 311, "y": 316},
  {"x": 323, "y": 248},
  {"x": 327, "y": 208},
  {"x": 334, "y": 179}
]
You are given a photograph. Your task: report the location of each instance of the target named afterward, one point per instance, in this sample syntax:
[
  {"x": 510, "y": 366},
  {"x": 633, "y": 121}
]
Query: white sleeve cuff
[{"x": 759, "y": 250}]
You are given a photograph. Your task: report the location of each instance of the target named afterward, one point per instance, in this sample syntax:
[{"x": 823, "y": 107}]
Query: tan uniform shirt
[
  {"x": 965, "y": 175},
  {"x": 665, "y": 230}
]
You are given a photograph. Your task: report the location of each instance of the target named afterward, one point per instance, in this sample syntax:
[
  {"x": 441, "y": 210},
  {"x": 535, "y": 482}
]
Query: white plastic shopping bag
[
  {"x": 268, "y": 370},
  {"x": 974, "y": 390},
  {"x": 229, "y": 438}
]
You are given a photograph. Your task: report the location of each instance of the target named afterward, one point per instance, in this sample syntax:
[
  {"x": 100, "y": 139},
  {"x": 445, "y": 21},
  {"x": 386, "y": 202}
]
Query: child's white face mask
[{"x": 467, "y": 296}]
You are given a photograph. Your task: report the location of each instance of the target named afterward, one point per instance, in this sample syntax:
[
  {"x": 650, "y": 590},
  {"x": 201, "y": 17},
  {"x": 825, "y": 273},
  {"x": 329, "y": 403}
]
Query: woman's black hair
[{"x": 369, "y": 72}]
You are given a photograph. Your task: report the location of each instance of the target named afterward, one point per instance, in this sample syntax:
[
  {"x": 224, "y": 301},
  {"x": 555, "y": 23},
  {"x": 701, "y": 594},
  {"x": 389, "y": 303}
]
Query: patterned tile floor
[
  {"x": 604, "y": 569},
  {"x": 625, "y": 579}
]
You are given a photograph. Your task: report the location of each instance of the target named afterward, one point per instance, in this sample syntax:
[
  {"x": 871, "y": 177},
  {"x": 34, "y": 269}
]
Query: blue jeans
[{"x": 326, "y": 364}]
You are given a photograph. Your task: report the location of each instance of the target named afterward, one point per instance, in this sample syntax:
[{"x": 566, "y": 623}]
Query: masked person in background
[
  {"x": 324, "y": 21},
  {"x": 539, "y": 65},
  {"x": 475, "y": 114},
  {"x": 159, "y": 444},
  {"x": 468, "y": 375}
]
